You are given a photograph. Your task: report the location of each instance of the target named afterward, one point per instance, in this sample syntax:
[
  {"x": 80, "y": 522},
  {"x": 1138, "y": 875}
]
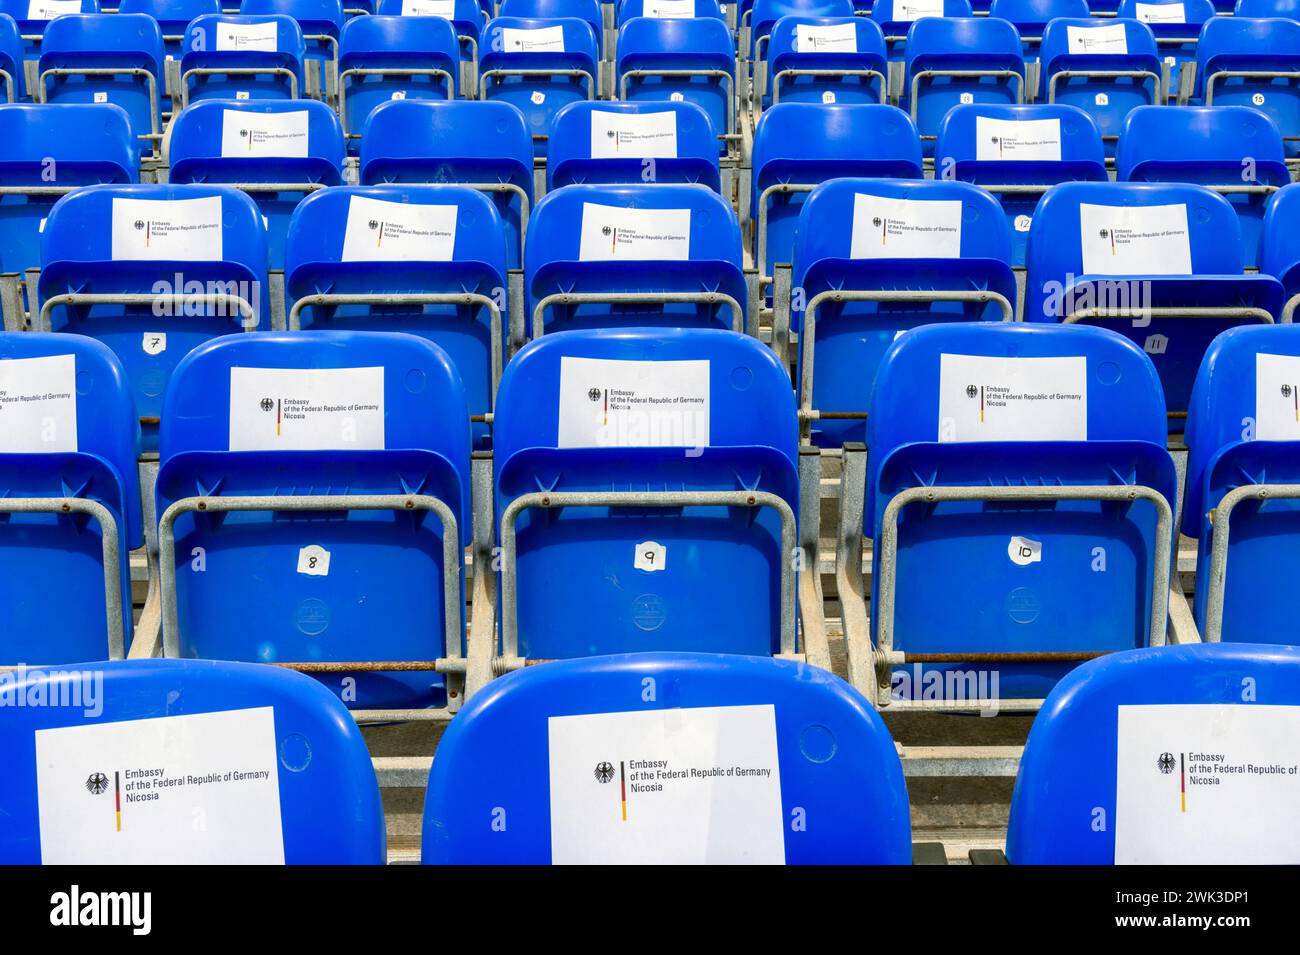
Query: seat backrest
[
  {"x": 280, "y": 773},
  {"x": 585, "y": 10},
  {"x": 1043, "y": 143},
  {"x": 768, "y": 12},
  {"x": 90, "y": 142},
  {"x": 1241, "y": 43},
  {"x": 1210, "y": 144},
  {"x": 533, "y": 44},
  {"x": 1168, "y": 17},
  {"x": 256, "y": 141},
  {"x": 585, "y": 784},
  {"x": 324, "y": 17},
  {"x": 1031, "y": 16},
  {"x": 1254, "y": 9},
  {"x": 173, "y": 16},
  {"x": 11, "y": 59},
  {"x": 103, "y": 40},
  {"x": 895, "y": 15},
  {"x": 370, "y": 42},
  {"x": 33, "y": 15},
  {"x": 466, "y": 15},
  {"x": 1093, "y": 44},
  {"x": 669, "y": 9},
  {"x": 660, "y": 43},
  {"x": 1279, "y": 251},
  {"x": 828, "y": 141},
  {"x": 1183, "y": 766},
  {"x": 800, "y": 41},
  {"x": 963, "y": 43},
  {"x": 619, "y": 142},
  {"x": 1171, "y": 228},
  {"x": 243, "y": 41}
]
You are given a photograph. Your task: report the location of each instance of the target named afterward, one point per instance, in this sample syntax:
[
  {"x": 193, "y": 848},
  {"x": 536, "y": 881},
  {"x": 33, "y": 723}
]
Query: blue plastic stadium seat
[
  {"x": 804, "y": 144},
  {"x": 467, "y": 19},
  {"x": 33, "y": 17},
  {"x": 1019, "y": 152},
  {"x": 336, "y": 247},
  {"x": 802, "y": 47},
  {"x": 1105, "y": 67},
  {"x": 766, "y": 13},
  {"x": 951, "y": 407},
  {"x": 653, "y": 53},
  {"x": 296, "y": 143},
  {"x": 538, "y": 66},
  {"x": 668, "y": 10},
  {"x": 1030, "y": 18},
  {"x": 1232, "y": 48},
  {"x": 88, "y": 144},
  {"x": 498, "y": 760},
  {"x": 97, "y": 58},
  {"x": 181, "y": 715},
  {"x": 1097, "y": 787},
  {"x": 586, "y": 10},
  {"x": 321, "y": 22},
  {"x": 242, "y": 57},
  {"x": 1128, "y": 248},
  {"x": 138, "y": 240},
  {"x": 652, "y": 240},
  {"x": 382, "y": 596},
  {"x": 896, "y": 18},
  {"x": 874, "y": 236},
  {"x": 959, "y": 60},
  {"x": 383, "y": 58},
  {"x": 718, "y": 419},
  {"x": 1279, "y": 246},
  {"x": 79, "y": 444},
  {"x": 173, "y": 17},
  {"x": 11, "y": 61},
  {"x": 612, "y": 142},
  {"x": 1248, "y": 375},
  {"x": 1222, "y": 147},
  {"x": 1176, "y": 25},
  {"x": 484, "y": 145},
  {"x": 1251, "y": 9}
]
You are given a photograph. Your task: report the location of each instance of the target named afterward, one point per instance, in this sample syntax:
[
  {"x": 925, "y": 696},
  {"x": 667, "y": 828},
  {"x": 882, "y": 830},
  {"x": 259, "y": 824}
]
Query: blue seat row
[{"x": 623, "y": 759}]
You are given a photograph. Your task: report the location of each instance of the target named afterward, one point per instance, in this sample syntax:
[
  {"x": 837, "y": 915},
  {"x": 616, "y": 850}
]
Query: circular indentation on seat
[
  {"x": 1023, "y": 605},
  {"x": 313, "y": 616},
  {"x": 1108, "y": 372},
  {"x": 817, "y": 743},
  {"x": 742, "y": 376},
  {"x": 295, "y": 752},
  {"x": 153, "y": 382},
  {"x": 416, "y": 381},
  {"x": 649, "y": 612},
  {"x": 85, "y": 381}
]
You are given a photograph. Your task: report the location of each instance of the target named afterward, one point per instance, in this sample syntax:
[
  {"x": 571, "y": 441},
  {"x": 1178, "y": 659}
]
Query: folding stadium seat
[
  {"x": 11, "y": 60},
  {"x": 799, "y": 145},
  {"x": 539, "y": 66},
  {"x": 1234, "y": 150},
  {"x": 1037, "y": 455},
  {"x": 1106, "y": 68},
  {"x": 429, "y": 261},
  {"x": 332, "y": 470},
  {"x": 32, "y": 17},
  {"x": 620, "y": 256},
  {"x": 874, "y": 257},
  {"x": 586, "y": 10},
  {"x": 825, "y": 60},
  {"x": 482, "y": 145},
  {"x": 466, "y": 16},
  {"x": 1017, "y": 153},
  {"x": 1181, "y": 765},
  {"x": 242, "y": 57},
  {"x": 88, "y": 145},
  {"x": 766, "y": 13},
  {"x": 632, "y": 143},
  {"x": 1160, "y": 263},
  {"x": 173, "y": 17},
  {"x": 106, "y": 58},
  {"x": 563, "y": 801},
  {"x": 276, "y": 151},
  {"x": 1279, "y": 246},
  {"x": 1240, "y": 501},
  {"x": 1176, "y": 25},
  {"x": 1030, "y": 18},
  {"x": 321, "y": 22},
  {"x": 691, "y": 61},
  {"x": 383, "y": 58},
  {"x": 677, "y": 441},
  {"x": 71, "y": 501},
  {"x": 1253, "y": 9},
  {"x": 960, "y": 60},
  {"x": 1244, "y": 62},
  {"x": 77, "y": 791},
  {"x": 668, "y": 10},
  {"x": 114, "y": 260},
  {"x": 896, "y": 18}
]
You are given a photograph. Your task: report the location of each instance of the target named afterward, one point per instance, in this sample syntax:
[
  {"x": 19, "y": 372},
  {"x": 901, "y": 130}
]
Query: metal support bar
[
  {"x": 111, "y": 554},
  {"x": 964, "y": 75},
  {"x": 343, "y": 86},
  {"x": 886, "y": 565},
  {"x": 237, "y": 71},
  {"x": 1172, "y": 311},
  {"x": 729, "y": 82},
  {"x": 493, "y": 74},
  {"x": 218, "y": 300},
  {"x": 760, "y": 238},
  {"x": 808, "y": 331},
  {"x": 1220, "y": 518},
  {"x": 1243, "y": 75},
  {"x": 828, "y": 74},
  {"x": 1104, "y": 75},
  {"x": 150, "y": 80},
  {"x": 635, "y": 298},
  {"x": 414, "y": 298},
  {"x": 812, "y": 603},
  {"x": 544, "y": 499},
  {"x": 849, "y": 584}
]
